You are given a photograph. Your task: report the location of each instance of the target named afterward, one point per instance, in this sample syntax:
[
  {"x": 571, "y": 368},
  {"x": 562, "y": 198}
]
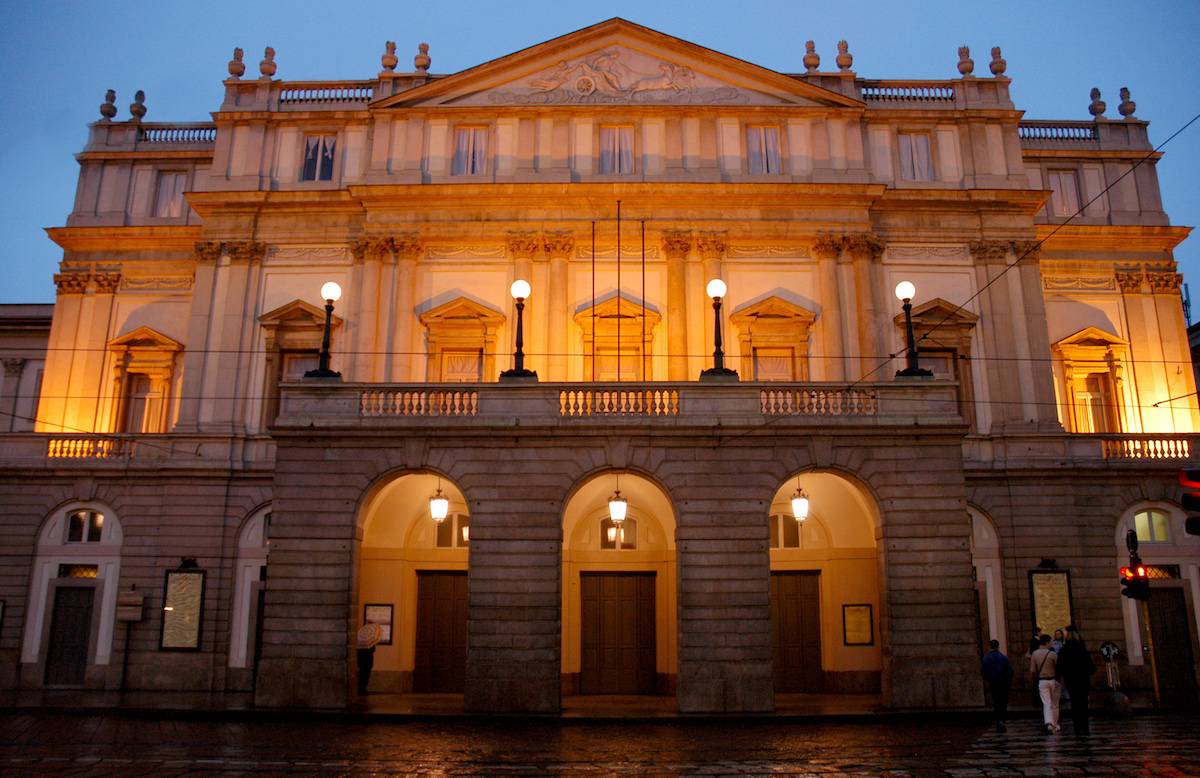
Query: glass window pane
[
  {"x": 774, "y": 524},
  {"x": 326, "y": 173},
  {"x": 791, "y": 533},
  {"x": 1161, "y": 531},
  {"x": 312, "y": 153},
  {"x": 1141, "y": 522},
  {"x": 75, "y": 523},
  {"x": 463, "y": 536},
  {"x": 445, "y": 533},
  {"x": 628, "y": 534},
  {"x": 771, "y": 149},
  {"x": 608, "y": 149},
  {"x": 608, "y": 534},
  {"x": 756, "y": 161},
  {"x": 95, "y": 526}
]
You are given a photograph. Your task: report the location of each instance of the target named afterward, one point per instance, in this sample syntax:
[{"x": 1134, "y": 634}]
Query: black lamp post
[
  {"x": 718, "y": 372},
  {"x": 520, "y": 290},
  {"x": 332, "y": 293},
  {"x": 904, "y": 293}
]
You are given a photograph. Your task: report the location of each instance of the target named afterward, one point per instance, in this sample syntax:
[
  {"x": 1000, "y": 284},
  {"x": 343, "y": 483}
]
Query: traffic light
[
  {"x": 1135, "y": 581},
  {"x": 1189, "y": 479}
]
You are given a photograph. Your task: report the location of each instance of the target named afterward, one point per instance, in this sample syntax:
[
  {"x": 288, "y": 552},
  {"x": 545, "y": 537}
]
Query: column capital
[
  {"x": 13, "y": 366},
  {"x": 864, "y": 245},
  {"x": 827, "y": 246},
  {"x": 711, "y": 244},
  {"x": 248, "y": 251},
  {"x": 1164, "y": 282},
  {"x": 558, "y": 244},
  {"x": 106, "y": 283},
  {"x": 990, "y": 252},
  {"x": 1129, "y": 279},
  {"x": 523, "y": 245},
  {"x": 405, "y": 245},
  {"x": 207, "y": 250},
  {"x": 71, "y": 283},
  {"x": 676, "y": 243},
  {"x": 370, "y": 248},
  {"x": 1028, "y": 252}
]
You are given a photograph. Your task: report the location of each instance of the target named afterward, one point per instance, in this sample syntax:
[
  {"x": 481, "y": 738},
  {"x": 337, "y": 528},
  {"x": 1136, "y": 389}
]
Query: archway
[
  {"x": 825, "y": 588},
  {"x": 618, "y": 590},
  {"x": 412, "y": 580},
  {"x": 245, "y": 624},
  {"x": 989, "y": 578}
]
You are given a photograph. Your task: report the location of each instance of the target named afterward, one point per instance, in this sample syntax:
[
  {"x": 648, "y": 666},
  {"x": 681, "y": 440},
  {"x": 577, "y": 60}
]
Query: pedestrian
[
  {"x": 1075, "y": 667},
  {"x": 998, "y": 673},
  {"x": 369, "y": 636},
  {"x": 1043, "y": 667},
  {"x": 1057, "y": 643},
  {"x": 1035, "y": 642}
]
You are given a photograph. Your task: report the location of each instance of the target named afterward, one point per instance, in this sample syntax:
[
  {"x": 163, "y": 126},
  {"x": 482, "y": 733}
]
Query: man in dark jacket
[
  {"x": 1075, "y": 667},
  {"x": 997, "y": 672}
]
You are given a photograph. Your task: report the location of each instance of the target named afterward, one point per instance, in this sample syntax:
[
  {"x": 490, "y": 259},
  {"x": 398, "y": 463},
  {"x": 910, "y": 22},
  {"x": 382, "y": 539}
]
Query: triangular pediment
[
  {"x": 772, "y": 308},
  {"x": 1092, "y": 337},
  {"x": 462, "y": 310},
  {"x": 939, "y": 312},
  {"x": 617, "y": 62},
  {"x": 145, "y": 338},
  {"x": 297, "y": 314},
  {"x": 616, "y": 307}
]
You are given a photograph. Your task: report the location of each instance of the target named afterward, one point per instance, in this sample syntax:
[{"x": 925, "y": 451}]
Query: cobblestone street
[{"x": 127, "y": 744}]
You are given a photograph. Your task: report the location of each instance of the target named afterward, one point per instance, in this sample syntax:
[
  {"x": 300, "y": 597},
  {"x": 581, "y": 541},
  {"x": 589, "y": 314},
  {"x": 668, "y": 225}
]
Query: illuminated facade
[{"x": 186, "y": 480}]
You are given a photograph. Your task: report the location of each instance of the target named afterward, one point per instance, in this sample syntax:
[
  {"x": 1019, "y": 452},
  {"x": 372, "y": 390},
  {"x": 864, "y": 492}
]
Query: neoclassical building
[{"x": 191, "y": 512}]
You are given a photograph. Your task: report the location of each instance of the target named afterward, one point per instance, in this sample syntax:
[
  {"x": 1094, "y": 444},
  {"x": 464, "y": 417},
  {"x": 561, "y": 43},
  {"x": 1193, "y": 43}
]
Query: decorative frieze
[
  {"x": 156, "y": 283},
  {"x": 609, "y": 251},
  {"x": 1079, "y": 283},
  {"x": 926, "y": 252},
  {"x": 468, "y": 251},
  {"x": 766, "y": 252},
  {"x": 314, "y": 254}
]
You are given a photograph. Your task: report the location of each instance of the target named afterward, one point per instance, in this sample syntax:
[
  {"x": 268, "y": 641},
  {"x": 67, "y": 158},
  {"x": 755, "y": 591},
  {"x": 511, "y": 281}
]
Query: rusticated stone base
[
  {"x": 301, "y": 683},
  {"x": 726, "y": 688}
]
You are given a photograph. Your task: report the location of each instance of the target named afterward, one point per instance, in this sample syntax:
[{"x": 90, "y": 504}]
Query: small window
[
  {"x": 168, "y": 198},
  {"x": 785, "y": 531},
  {"x": 470, "y": 151},
  {"x": 78, "y": 571},
  {"x": 318, "y": 158},
  {"x": 762, "y": 149},
  {"x": 616, "y": 150},
  {"x": 85, "y": 527},
  {"x": 454, "y": 531},
  {"x": 915, "y": 161},
  {"x": 624, "y": 536},
  {"x": 1152, "y": 526},
  {"x": 1064, "y": 193}
]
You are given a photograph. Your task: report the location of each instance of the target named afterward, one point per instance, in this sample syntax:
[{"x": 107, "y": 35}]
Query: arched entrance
[
  {"x": 618, "y": 590},
  {"x": 825, "y": 588},
  {"x": 412, "y": 580},
  {"x": 989, "y": 578}
]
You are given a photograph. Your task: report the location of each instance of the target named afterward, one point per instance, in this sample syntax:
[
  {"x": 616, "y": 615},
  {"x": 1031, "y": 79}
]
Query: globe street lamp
[
  {"x": 718, "y": 372},
  {"x": 331, "y": 293},
  {"x": 519, "y": 290},
  {"x": 904, "y": 293}
]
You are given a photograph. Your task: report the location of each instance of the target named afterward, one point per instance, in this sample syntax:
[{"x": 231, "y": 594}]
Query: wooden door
[
  {"x": 1172, "y": 646},
  {"x": 70, "y": 633},
  {"x": 796, "y": 631},
  {"x": 441, "y": 660},
  {"x": 618, "y": 640}
]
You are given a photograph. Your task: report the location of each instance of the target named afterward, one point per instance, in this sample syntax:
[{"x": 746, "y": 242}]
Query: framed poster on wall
[
  {"x": 381, "y": 614},
  {"x": 858, "y": 625},
  {"x": 1050, "y": 593},
  {"x": 183, "y": 609}
]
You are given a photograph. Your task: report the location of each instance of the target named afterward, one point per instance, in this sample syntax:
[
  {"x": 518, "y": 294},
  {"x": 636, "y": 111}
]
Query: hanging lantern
[
  {"x": 800, "y": 505},
  {"x": 617, "y": 507},
  {"x": 439, "y": 506}
]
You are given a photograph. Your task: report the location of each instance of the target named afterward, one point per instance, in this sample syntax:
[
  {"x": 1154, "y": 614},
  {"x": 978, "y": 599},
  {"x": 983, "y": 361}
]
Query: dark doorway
[
  {"x": 1172, "y": 646},
  {"x": 796, "y": 631},
  {"x": 618, "y": 641},
  {"x": 70, "y": 633},
  {"x": 441, "y": 660}
]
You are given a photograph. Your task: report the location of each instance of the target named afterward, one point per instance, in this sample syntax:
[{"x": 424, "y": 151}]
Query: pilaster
[
  {"x": 205, "y": 256},
  {"x": 13, "y": 367},
  {"x": 997, "y": 330},
  {"x": 676, "y": 246},
  {"x": 1037, "y": 338},
  {"x": 830, "y": 363},
  {"x": 558, "y": 246},
  {"x": 406, "y": 249},
  {"x": 864, "y": 251}
]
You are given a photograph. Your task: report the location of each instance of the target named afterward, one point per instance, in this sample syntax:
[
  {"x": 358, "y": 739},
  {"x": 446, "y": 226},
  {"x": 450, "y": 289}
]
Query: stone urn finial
[
  {"x": 812, "y": 60},
  {"x": 267, "y": 66},
  {"x": 999, "y": 65},
  {"x": 108, "y": 109},
  {"x": 236, "y": 66},
  {"x": 844, "y": 58},
  {"x": 966, "y": 65},
  {"x": 1097, "y": 107},
  {"x": 422, "y": 61},
  {"x": 1127, "y": 106},
  {"x": 389, "y": 58},
  {"x": 138, "y": 107}
]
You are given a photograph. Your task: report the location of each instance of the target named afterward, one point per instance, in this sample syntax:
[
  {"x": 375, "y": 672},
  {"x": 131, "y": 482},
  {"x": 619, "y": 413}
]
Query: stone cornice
[
  {"x": 126, "y": 239},
  {"x": 1119, "y": 240}
]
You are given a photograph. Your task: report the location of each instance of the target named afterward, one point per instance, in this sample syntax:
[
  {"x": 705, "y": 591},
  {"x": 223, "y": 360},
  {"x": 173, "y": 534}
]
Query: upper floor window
[
  {"x": 785, "y": 531},
  {"x": 1093, "y": 369},
  {"x": 84, "y": 526},
  {"x": 616, "y": 150},
  {"x": 168, "y": 198},
  {"x": 1152, "y": 526},
  {"x": 1064, "y": 193},
  {"x": 462, "y": 366},
  {"x": 454, "y": 531},
  {"x": 775, "y": 364},
  {"x": 916, "y": 164},
  {"x": 623, "y": 537},
  {"x": 318, "y": 158},
  {"x": 762, "y": 149},
  {"x": 470, "y": 151}
]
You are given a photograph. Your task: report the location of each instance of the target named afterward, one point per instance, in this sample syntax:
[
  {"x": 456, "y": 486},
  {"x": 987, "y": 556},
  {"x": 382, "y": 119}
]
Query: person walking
[
  {"x": 1075, "y": 667},
  {"x": 1043, "y": 668},
  {"x": 998, "y": 673}
]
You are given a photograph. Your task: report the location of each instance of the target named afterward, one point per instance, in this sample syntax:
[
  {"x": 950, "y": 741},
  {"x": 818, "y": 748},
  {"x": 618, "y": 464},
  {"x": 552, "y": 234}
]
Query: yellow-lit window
[{"x": 1152, "y": 526}]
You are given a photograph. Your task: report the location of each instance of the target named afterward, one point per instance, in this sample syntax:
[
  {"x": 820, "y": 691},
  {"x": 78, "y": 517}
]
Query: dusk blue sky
[{"x": 58, "y": 58}]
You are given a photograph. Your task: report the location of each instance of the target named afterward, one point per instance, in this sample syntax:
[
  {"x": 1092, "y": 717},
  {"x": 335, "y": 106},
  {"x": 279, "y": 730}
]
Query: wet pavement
[{"x": 165, "y": 743}]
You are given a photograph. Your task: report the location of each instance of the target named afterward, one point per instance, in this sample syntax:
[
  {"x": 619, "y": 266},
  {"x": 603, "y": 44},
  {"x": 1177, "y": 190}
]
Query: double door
[
  {"x": 441, "y": 656},
  {"x": 70, "y": 633},
  {"x": 617, "y": 652},
  {"x": 796, "y": 631}
]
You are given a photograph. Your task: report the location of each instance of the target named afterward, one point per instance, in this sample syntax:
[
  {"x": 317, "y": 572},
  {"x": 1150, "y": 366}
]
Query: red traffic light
[
  {"x": 1189, "y": 478},
  {"x": 1135, "y": 573}
]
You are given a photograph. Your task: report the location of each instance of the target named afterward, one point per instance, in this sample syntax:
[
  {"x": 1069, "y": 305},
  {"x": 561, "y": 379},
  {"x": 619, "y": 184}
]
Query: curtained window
[
  {"x": 462, "y": 367},
  {"x": 318, "y": 158},
  {"x": 1064, "y": 193},
  {"x": 168, "y": 199},
  {"x": 774, "y": 364},
  {"x": 470, "y": 151},
  {"x": 616, "y": 150},
  {"x": 915, "y": 161},
  {"x": 762, "y": 149}
]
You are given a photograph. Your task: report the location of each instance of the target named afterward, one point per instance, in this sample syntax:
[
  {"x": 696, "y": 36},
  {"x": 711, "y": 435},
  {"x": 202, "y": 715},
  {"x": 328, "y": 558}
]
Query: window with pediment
[
  {"x": 774, "y": 337},
  {"x": 1093, "y": 369},
  {"x": 293, "y": 334},
  {"x": 460, "y": 341},
  {"x": 620, "y": 337},
  {"x": 943, "y": 332},
  {"x": 143, "y": 374}
]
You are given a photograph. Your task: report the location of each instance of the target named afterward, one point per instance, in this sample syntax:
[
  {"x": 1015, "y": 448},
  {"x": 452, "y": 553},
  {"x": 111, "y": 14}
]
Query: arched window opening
[
  {"x": 623, "y": 537},
  {"x": 1152, "y": 526}
]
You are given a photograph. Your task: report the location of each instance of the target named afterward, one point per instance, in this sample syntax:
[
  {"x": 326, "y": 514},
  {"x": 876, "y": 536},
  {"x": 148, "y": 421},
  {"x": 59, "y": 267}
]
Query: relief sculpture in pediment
[{"x": 615, "y": 76}]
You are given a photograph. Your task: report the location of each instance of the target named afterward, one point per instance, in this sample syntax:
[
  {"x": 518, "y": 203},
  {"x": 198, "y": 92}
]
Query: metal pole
[
  {"x": 618, "y": 292},
  {"x": 324, "y": 361},
  {"x": 1149, "y": 649},
  {"x": 718, "y": 352},
  {"x": 643, "y": 343},
  {"x": 519, "y": 355},
  {"x": 593, "y": 302}
]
